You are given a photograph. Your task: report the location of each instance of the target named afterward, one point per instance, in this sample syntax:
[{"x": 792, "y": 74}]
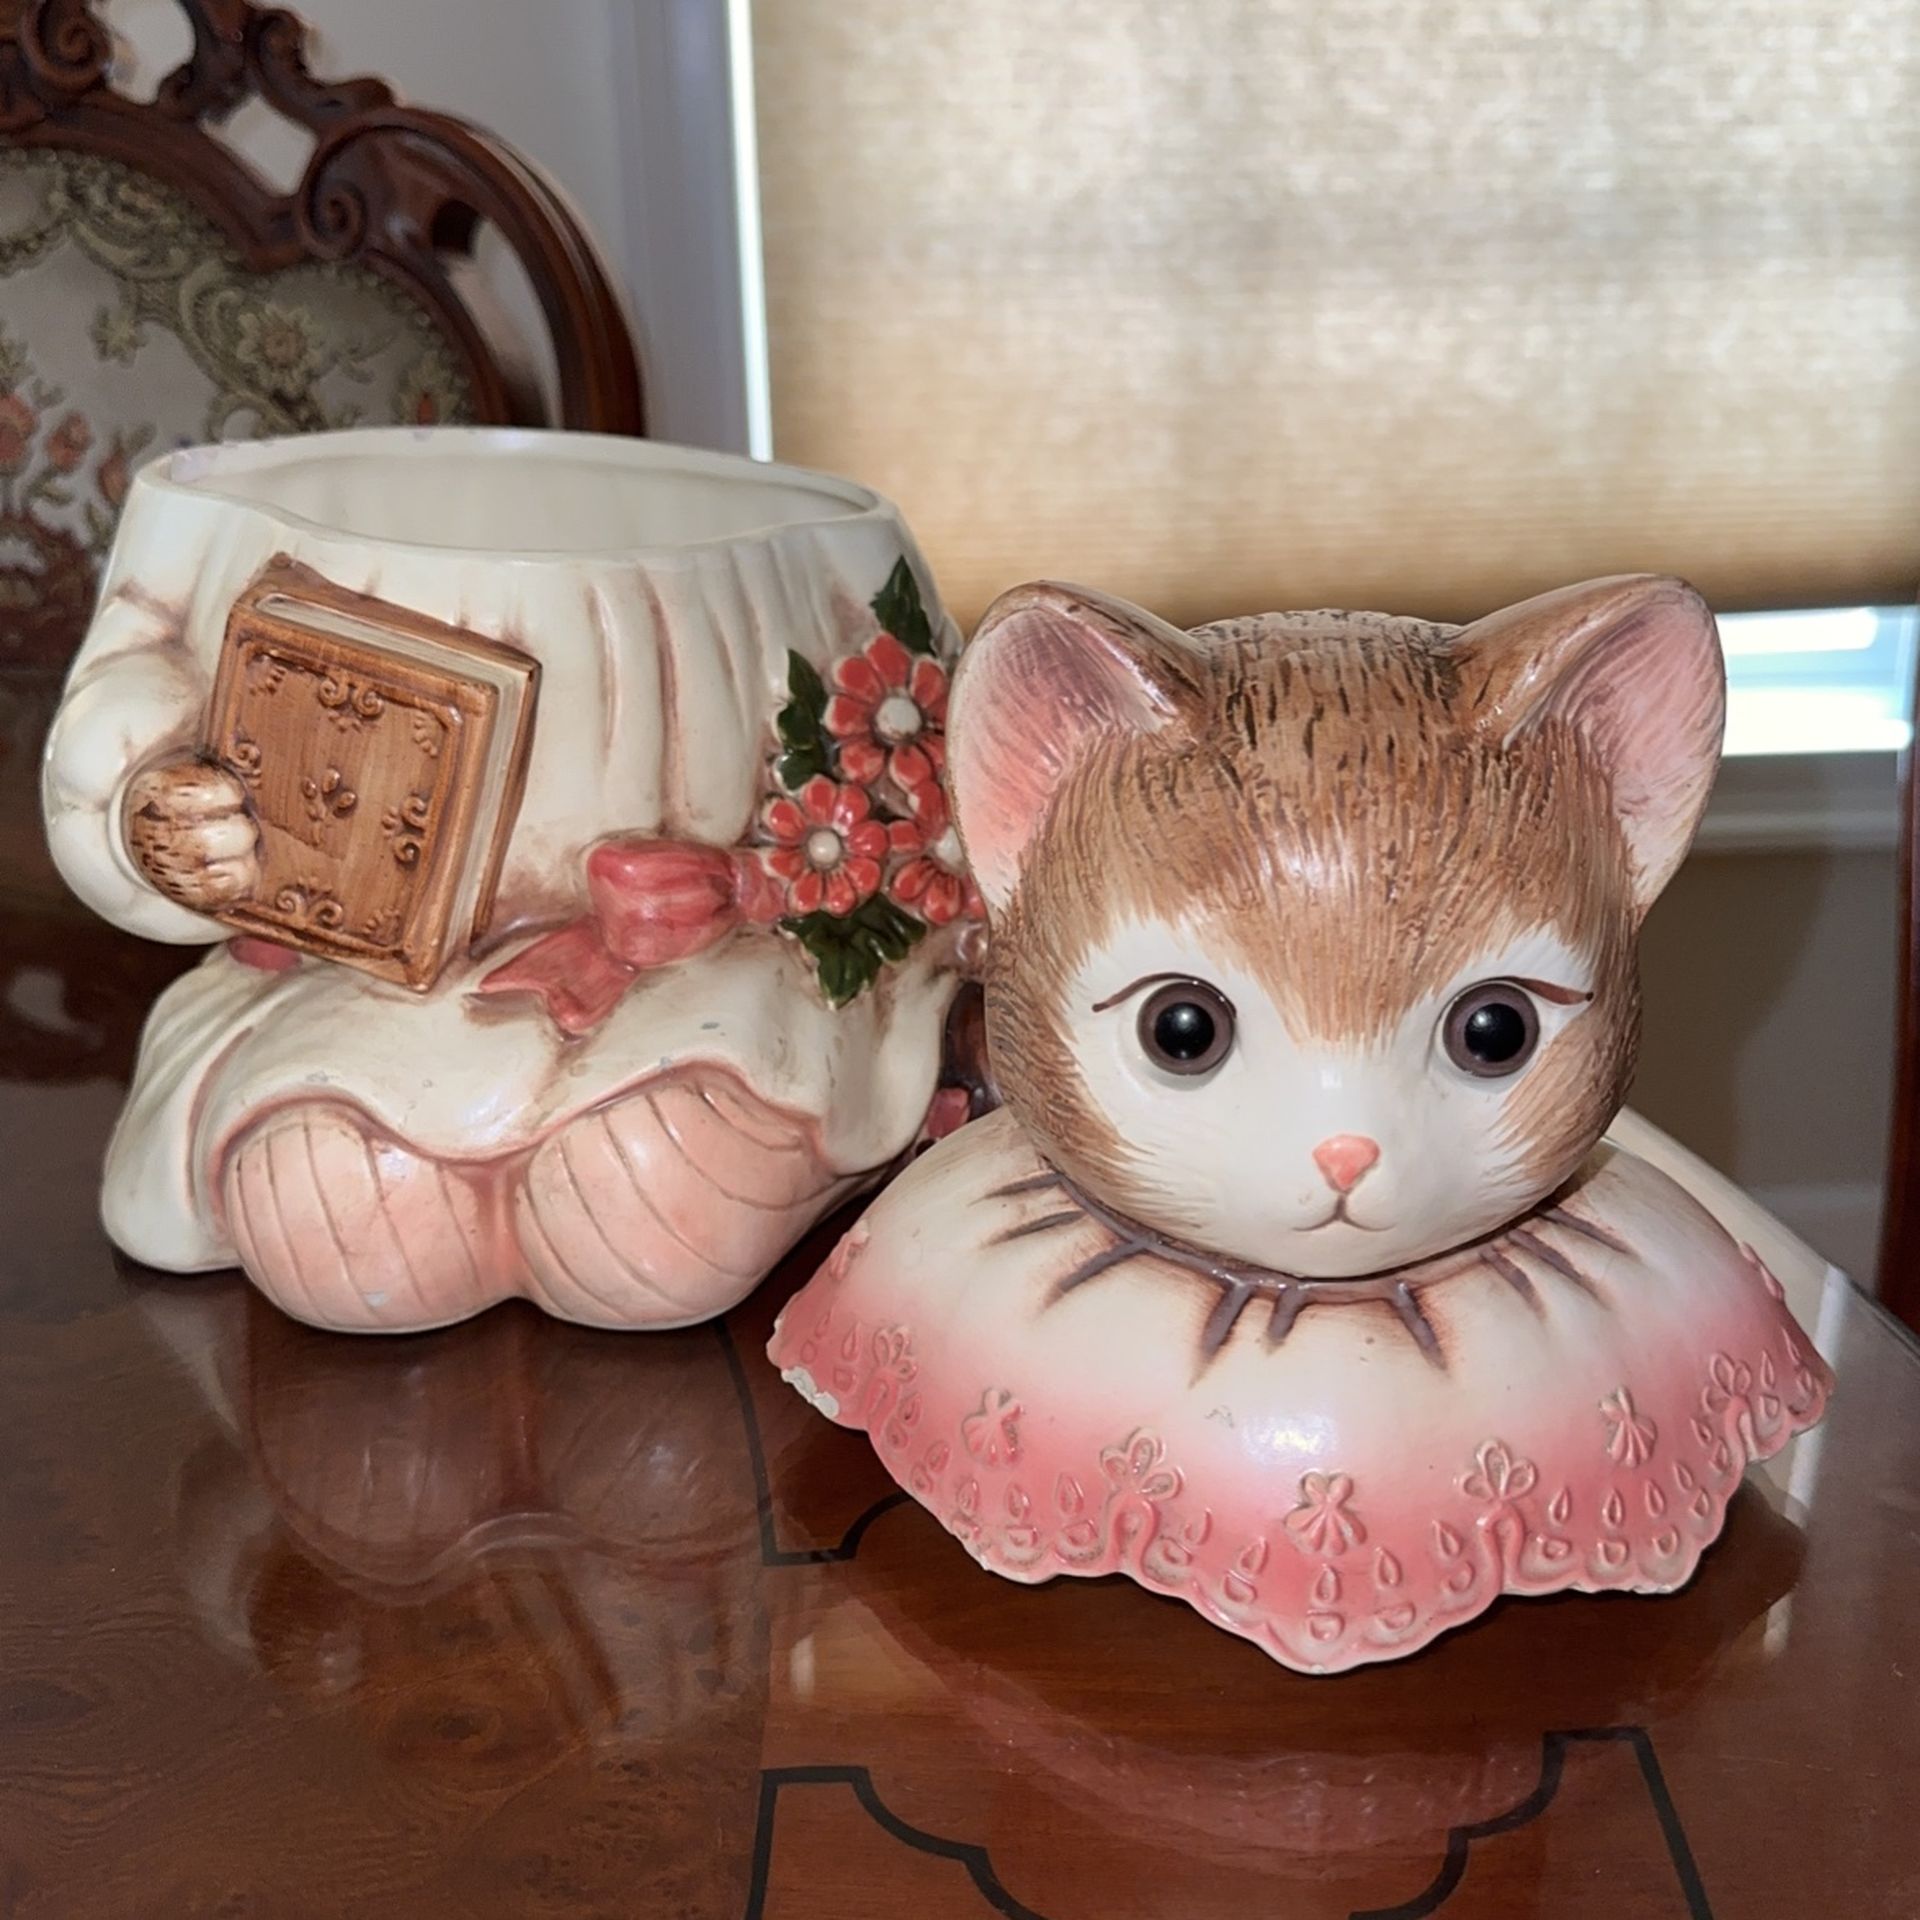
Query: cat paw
[{"x": 191, "y": 833}]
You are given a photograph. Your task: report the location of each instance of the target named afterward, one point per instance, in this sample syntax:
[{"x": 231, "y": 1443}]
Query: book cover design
[{"x": 383, "y": 754}]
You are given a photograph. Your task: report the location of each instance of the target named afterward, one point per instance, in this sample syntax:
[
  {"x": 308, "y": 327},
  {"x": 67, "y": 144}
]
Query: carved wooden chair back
[{"x": 155, "y": 290}]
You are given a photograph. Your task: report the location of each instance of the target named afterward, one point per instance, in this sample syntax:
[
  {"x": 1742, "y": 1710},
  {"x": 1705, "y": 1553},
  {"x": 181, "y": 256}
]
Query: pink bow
[{"x": 653, "y": 901}]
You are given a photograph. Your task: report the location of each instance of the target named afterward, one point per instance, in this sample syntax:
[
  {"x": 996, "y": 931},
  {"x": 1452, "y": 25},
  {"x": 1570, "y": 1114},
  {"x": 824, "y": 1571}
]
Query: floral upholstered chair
[
  {"x": 155, "y": 292},
  {"x": 129, "y": 325}
]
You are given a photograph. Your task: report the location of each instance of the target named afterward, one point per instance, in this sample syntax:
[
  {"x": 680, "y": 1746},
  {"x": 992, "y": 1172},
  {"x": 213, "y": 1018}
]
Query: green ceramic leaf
[
  {"x": 842, "y": 974},
  {"x": 848, "y": 952},
  {"x": 802, "y": 719},
  {"x": 897, "y": 607},
  {"x": 802, "y": 725},
  {"x": 798, "y": 765},
  {"x": 886, "y": 930}
]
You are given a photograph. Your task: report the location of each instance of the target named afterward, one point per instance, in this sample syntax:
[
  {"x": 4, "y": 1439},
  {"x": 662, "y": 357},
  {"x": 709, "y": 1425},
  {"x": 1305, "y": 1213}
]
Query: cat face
[
  {"x": 1312, "y": 936},
  {"x": 1228, "y": 1124}
]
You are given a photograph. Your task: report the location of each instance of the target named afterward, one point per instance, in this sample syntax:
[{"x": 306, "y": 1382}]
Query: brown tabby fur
[{"x": 1324, "y": 808}]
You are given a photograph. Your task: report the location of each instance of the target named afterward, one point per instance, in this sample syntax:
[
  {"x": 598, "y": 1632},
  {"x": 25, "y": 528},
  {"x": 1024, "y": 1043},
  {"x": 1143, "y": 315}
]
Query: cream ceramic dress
[{"x": 380, "y": 1158}]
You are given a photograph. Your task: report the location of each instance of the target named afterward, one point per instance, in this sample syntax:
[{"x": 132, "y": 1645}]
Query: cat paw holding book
[
  {"x": 191, "y": 833},
  {"x": 560, "y": 814},
  {"x": 1311, "y": 1273}
]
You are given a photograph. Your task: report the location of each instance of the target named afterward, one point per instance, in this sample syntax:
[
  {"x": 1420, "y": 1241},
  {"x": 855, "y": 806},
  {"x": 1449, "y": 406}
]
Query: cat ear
[
  {"x": 1633, "y": 665},
  {"x": 1050, "y": 670}
]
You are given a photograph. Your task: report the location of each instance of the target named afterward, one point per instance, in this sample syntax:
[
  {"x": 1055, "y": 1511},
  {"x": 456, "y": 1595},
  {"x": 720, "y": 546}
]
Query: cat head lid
[{"x": 1312, "y": 935}]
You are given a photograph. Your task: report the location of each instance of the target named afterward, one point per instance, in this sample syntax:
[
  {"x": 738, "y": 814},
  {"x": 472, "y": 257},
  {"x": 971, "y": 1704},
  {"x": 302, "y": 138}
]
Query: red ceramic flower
[
  {"x": 827, "y": 846},
  {"x": 931, "y": 878},
  {"x": 888, "y": 712},
  {"x": 67, "y": 444},
  {"x": 18, "y": 424}
]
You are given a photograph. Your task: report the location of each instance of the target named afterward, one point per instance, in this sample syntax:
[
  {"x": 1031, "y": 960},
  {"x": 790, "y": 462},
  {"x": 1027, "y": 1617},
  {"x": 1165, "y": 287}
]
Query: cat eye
[
  {"x": 1491, "y": 1030},
  {"x": 1186, "y": 1027}
]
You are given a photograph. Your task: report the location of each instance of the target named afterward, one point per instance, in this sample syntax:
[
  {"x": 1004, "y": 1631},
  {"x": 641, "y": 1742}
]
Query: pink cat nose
[{"x": 1344, "y": 1157}]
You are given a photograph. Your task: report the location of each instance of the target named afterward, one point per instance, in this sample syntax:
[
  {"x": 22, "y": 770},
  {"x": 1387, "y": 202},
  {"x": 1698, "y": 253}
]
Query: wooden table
[{"x": 522, "y": 1620}]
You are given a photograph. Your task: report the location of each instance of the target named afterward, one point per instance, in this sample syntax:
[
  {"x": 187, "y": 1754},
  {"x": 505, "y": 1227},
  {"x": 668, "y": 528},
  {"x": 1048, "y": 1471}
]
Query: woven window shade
[{"x": 1393, "y": 303}]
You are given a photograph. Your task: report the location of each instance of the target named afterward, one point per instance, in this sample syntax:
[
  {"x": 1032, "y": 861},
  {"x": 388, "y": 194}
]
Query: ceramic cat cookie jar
[
  {"x": 1297, "y": 1276},
  {"x": 562, "y": 815}
]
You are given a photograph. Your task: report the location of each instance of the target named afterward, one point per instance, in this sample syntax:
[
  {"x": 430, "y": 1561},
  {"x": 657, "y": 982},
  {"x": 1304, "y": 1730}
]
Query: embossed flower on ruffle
[
  {"x": 1139, "y": 1465},
  {"x": 931, "y": 878},
  {"x": 827, "y": 846},
  {"x": 1729, "y": 1381},
  {"x": 1498, "y": 1476},
  {"x": 1323, "y": 1519},
  {"x": 1630, "y": 1434},
  {"x": 992, "y": 1432},
  {"x": 892, "y": 1349},
  {"x": 887, "y": 713}
]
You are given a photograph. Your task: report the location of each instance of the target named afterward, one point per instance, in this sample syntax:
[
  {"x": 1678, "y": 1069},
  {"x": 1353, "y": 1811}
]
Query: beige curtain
[{"x": 1230, "y": 304}]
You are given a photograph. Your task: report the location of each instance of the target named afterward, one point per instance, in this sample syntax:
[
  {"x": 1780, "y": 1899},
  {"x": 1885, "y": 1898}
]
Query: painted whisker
[
  {"x": 1102, "y": 1262},
  {"x": 1045, "y": 1224},
  {"x": 1563, "y": 1216},
  {"x": 1416, "y": 1322},
  {"x": 1514, "y": 1275},
  {"x": 1234, "y": 1300},
  {"x": 1551, "y": 1256},
  {"x": 1286, "y": 1310},
  {"x": 1035, "y": 1183}
]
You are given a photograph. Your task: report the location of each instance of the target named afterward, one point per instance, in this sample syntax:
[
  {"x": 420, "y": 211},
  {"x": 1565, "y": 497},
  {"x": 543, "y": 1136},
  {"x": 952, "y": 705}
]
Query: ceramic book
[{"x": 383, "y": 755}]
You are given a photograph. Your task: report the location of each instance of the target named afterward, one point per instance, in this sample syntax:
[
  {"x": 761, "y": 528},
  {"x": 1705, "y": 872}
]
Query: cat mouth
[{"x": 1340, "y": 1217}]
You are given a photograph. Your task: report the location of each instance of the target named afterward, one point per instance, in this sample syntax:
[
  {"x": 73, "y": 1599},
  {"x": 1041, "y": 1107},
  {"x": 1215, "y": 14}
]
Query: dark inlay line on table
[
  {"x": 1553, "y": 1754},
  {"x": 772, "y": 1554},
  {"x": 974, "y": 1858},
  {"x": 1460, "y": 1839}
]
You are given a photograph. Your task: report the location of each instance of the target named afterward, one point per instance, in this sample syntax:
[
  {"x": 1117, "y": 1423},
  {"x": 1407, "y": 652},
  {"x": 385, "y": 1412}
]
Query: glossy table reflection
[{"x": 522, "y": 1620}]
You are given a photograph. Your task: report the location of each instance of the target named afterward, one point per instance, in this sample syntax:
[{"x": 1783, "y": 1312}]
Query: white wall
[
  {"x": 618, "y": 102},
  {"x": 537, "y": 72}
]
